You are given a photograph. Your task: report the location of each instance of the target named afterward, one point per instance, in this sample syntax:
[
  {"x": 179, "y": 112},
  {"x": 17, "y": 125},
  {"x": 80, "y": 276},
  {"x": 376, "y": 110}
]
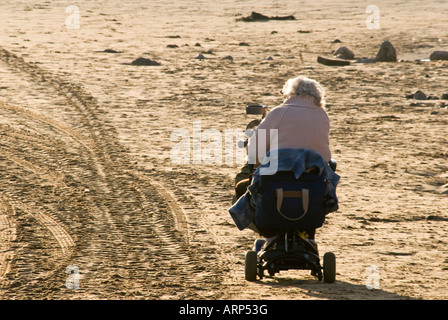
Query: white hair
[{"x": 304, "y": 86}]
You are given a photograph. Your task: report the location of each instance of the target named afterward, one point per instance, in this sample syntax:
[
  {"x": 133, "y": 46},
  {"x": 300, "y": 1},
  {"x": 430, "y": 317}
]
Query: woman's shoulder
[
  {"x": 273, "y": 117},
  {"x": 279, "y": 109},
  {"x": 277, "y": 112}
]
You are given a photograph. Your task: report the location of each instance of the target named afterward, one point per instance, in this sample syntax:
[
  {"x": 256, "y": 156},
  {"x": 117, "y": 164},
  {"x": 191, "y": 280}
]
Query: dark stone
[
  {"x": 332, "y": 61},
  {"x": 419, "y": 95},
  {"x": 386, "y": 53},
  {"x": 439, "y": 55},
  {"x": 111, "y": 51},
  {"x": 344, "y": 53},
  {"x": 145, "y": 62},
  {"x": 200, "y": 57},
  {"x": 364, "y": 60},
  {"x": 436, "y": 218},
  {"x": 255, "y": 16}
]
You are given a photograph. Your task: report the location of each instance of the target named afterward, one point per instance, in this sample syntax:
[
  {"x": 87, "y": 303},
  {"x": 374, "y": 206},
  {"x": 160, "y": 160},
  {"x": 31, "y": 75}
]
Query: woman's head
[{"x": 304, "y": 87}]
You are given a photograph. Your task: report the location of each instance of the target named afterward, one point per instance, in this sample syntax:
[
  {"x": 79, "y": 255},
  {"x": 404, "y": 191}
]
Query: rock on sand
[
  {"x": 418, "y": 95},
  {"x": 344, "y": 53},
  {"x": 439, "y": 55},
  {"x": 255, "y": 16},
  {"x": 111, "y": 51},
  {"x": 145, "y": 62},
  {"x": 200, "y": 56},
  {"x": 387, "y": 53},
  {"x": 332, "y": 61}
]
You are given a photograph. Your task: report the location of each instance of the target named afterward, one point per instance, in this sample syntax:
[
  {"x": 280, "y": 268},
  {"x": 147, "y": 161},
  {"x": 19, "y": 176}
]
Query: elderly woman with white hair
[{"x": 301, "y": 122}]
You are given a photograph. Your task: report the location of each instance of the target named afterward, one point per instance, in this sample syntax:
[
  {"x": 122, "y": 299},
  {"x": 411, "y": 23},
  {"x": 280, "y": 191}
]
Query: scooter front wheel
[
  {"x": 329, "y": 267},
  {"x": 250, "y": 267}
]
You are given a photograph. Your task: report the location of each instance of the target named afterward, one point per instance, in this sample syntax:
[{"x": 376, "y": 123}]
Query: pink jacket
[{"x": 300, "y": 123}]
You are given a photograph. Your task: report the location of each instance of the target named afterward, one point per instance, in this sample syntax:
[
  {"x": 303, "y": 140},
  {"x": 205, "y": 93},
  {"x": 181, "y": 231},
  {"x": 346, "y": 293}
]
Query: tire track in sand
[
  {"x": 59, "y": 233},
  {"x": 133, "y": 248},
  {"x": 7, "y": 236}
]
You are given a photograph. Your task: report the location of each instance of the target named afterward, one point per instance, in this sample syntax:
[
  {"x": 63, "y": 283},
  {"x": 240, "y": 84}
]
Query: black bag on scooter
[{"x": 285, "y": 202}]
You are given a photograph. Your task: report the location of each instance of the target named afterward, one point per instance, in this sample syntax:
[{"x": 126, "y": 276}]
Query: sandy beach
[{"x": 92, "y": 205}]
